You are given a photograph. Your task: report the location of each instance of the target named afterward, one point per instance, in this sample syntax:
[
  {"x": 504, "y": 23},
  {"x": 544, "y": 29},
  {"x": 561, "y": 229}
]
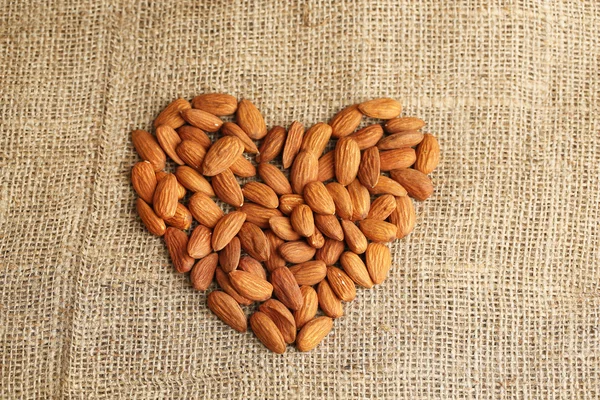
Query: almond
[
  {"x": 356, "y": 269},
  {"x": 274, "y": 178},
  {"x": 182, "y": 218},
  {"x": 361, "y": 200},
  {"x": 282, "y": 227},
  {"x": 368, "y": 136},
  {"x": 143, "y": 179},
  {"x": 205, "y": 210},
  {"x": 288, "y": 202},
  {"x": 272, "y": 144},
  {"x": 345, "y": 122},
  {"x": 347, "y": 160},
  {"x": 417, "y": 184},
  {"x": 275, "y": 260},
  {"x": 355, "y": 239},
  {"x": 203, "y": 272},
  {"x": 378, "y": 261},
  {"x": 200, "y": 243},
  {"x": 267, "y": 332},
  {"x": 229, "y": 256},
  {"x": 250, "y": 286},
  {"x": 326, "y": 166},
  {"x": 221, "y": 155},
  {"x": 203, "y": 120},
  {"x": 388, "y": 186},
  {"x": 188, "y": 132},
  {"x": 382, "y": 207},
  {"x": 254, "y": 242},
  {"x": 382, "y": 108},
  {"x": 370, "y": 167},
  {"x": 400, "y": 140},
  {"x": 171, "y": 114},
  {"x": 227, "y": 227},
  {"x": 404, "y": 124},
  {"x": 428, "y": 154},
  {"x": 193, "y": 181},
  {"x": 228, "y": 310},
  {"x": 259, "y": 215},
  {"x": 313, "y": 333},
  {"x": 328, "y": 301},
  {"x": 260, "y": 193},
  {"x": 403, "y": 216},
  {"x": 286, "y": 288},
  {"x": 341, "y": 199},
  {"x": 316, "y": 139},
  {"x": 148, "y": 149},
  {"x": 302, "y": 220},
  {"x": 153, "y": 222},
  {"x": 329, "y": 226},
  {"x": 165, "y": 197},
  {"x": 169, "y": 140},
  {"x": 227, "y": 188},
  {"x": 396, "y": 159},
  {"x": 180, "y": 188},
  {"x": 232, "y": 129},
  {"x": 330, "y": 252},
  {"x": 304, "y": 170},
  {"x": 191, "y": 153},
  {"x": 309, "y": 272},
  {"x": 293, "y": 143},
  {"x": 225, "y": 284},
  {"x": 243, "y": 168},
  {"x": 341, "y": 284},
  {"x": 309, "y": 307},
  {"x": 219, "y": 104},
  {"x": 283, "y": 318},
  {"x": 251, "y": 120},
  {"x": 176, "y": 241},
  {"x": 378, "y": 231},
  {"x": 318, "y": 198},
  {"x": 251, "y": 265},
  {"x": 296, "y": 252},
  {"x": 316, "y": 240}
]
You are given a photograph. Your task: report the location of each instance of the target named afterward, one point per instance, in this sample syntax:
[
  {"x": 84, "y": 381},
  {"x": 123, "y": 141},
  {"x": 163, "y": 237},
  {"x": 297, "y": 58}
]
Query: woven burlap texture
[{"x": 494, "y": 295}]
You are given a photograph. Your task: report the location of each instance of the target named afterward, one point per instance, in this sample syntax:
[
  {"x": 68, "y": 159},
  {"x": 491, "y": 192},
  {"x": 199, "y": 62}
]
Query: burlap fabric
[{"x": 494, "y": 295}]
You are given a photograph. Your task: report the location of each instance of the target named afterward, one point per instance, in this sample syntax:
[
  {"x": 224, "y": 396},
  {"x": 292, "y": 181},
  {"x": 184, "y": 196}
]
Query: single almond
[
  {"x": 355, "y": 239},
  {"x": 253, "y": 266},
  {"x": 378, "y": 261},
  {"x": 243, "y": 168},
  {"x": 304, "y": 170},
  {"x": 317, "y": 197},
  {"x": 302, "y": 220},
  {"x": 225, "y": 284},
  {"x": 274, "y": 178},
  {"x": 229, "y": 256},
  {"x": 143, "y": 179},
  {"x": 309, "y": 272},
  {"x": 428, "y": 154},
  {"x": 382, "y": 207},
  {"x": 275, "y": 260},
  {"x": 165, "y": 197},
  {"x": 282, "y": 227},
  {"x": 417, "y": 184},
  {"x": 309, "y": 307},
  {"x": 219, "y": 104},
  {"x": 328, "y": 301},
  {"x": 188, "y": 132},
  {"x": 316, "y": 240},
  {"x": 251, "y": 120},
  {"x": 369, "y": 170},
  {"x": 403, "y": 216},
  {"x": 345, "y": 122},
  {"x": 398, "y": 158},
  {"x": 228, "y": 310},
  {"x": 260, "y": 193},
  {"x": 361, "y": 200},
  {"x": 169, "y": 140},
  {"x": 176, "y": 242},
  {"x": 193, "y": 180},
  {"x": 181, "y": 192},
  {"x": 296, "y": 252},
  {"x": 153, "y": 222},
  {"x": 326, "y": 166},
  {"x": 313, "y": 333},
  {"x": 205, "y": 210},
  {"x": 227, "y": 227},
  {"x": 286, "y": 288},
  {"x": 259, "y": 215},
  {"x": 272, "y": 144},
  {"x": 267, "y": 332},
  {"x": 347, "y": 160},
  {"x": 387, "y": 186},
  {"x": 382, "y": 108},
  {"x": 201, "y": 119},
  {"x": 356, "y": 269},
  {"x": 250, "y": 286},
  {"x": 403, "y": 124},
  {"x": 329, "y": 226},
  {"x": 288, "y": 202},
  {"x": 221, "y": 155},
  {"x": 182, "y": 218},
  {"x": 316, "y": 139},
  {"x": 378, "y": 231},
  {"x": 233, "y": 129},
  {"x": 227, "y": 188},
  {"x": 400, "y": 140},
  {"x": 368, "y": 136},
  {"x": 293, "y": 143},
  {"x": 282, "y": 317},
  {"x": 330, "y": 252},
  {"x": 192, "y": 153},
  {"x": 148, "y": 149},
  {"x": 341, "y": 284},
  {"x": 254, "y": 242},
  {"x": 203, "y": 272},
  {"x": 171, "y": 114},
  {"x": 200, "y": 243},
  {"x": 341, "y": 199}
]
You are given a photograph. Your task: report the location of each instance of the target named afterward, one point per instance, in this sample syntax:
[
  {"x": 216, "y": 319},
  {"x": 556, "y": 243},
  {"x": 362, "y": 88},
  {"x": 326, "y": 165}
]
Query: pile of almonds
[{"x": 307, "y": 232}]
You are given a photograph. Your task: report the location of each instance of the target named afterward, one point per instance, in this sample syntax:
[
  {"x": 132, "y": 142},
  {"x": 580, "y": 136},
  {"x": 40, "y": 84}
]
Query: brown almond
[
  {"x": 200, "y": 243},
  {"x": 361, "y": 200},
  {"x": 309, "y": 272},
  {"x": 368, "y": 136},
  {"x": 233, "y": 129},
  {"x": 227, "y": 188},
  {"x": 313, "y": 333},
  {"x": 188, "y": 132},
  {"x": 382, "y": 108},
  {"x": 347, "y": 160},
  {"x": 193, "y": 180},
  {"x": 259, "y": 215},
  {"x": 341, "y": 199},
  {"x": 254, "y": 242},
  {"x": 191, "y": 153},
  {"x": 176, "y": 242},
  {"x": 302, "y": 220},
  {"x": 293, "y": 143},
  {"x": 356, "y": 269},
  {"x": 169, "y": 140},
  {"x": 346, "y": 121},
  {"x": 316, "y": 240},
  {"x": 267, "y": 332},
  {"x": 274, "y": 178},
  {"x": 329, "y": 226},
  {"x": 296, "y": 252},
  {"x": 251, "y": 120},
  {"x": 387, "y": 186},
  {"x": 243, "y": 168},
  {"x": 227, "y": 227},
  {"x": 201, "y": 119},
  {"x": 219, "y": 104},
  {"x": 403, "y": 216},
  {"x": 250, "y": 286},
  {"x": 428, "y": 154},
  {"x": 282, "y": 227},
  {"x": 153, "y": 222},
  {"x": 369, "y": 170},
  {"x": 328, "y": 301},
  {"x": 382, "y": 207},
  {"x": 286, "y": 288},
  {"x": 283, "y": 318},
  {"x": 316, "y": 139},
  {"x": 225, "y": 284},
  {"x": 182, "y": 218},
  {"x": 205, "y": 210},
  {"x": 403, "y": 124},
  {"x": 341, "y": 284},
  {"x": 221, "y": 155},
  {"x": 143, "y": 179},
  {"x": 148, "y": 149},
  {"x": 275, "y": 260},
  {"x": 355, "y": 239},
  {"x": 400, "y": 140},
  {"x": 326, "y": 166},
  {"x": 180, "y": 188},
  {"x": 304, "y": 170},
  {"x": 288, "y": 202},
  {"x": 171, "y": 114},
  {"x": 228, "y": 310},
  {"x": 253, "y": 266},
  {"x": 272, "y": 144},
  {"x": 317, "y": 197},
  {"x": 378, "y": 261},
  {"x": 309, "y": 307},
  {"x": 165, "y": 197},
  {"x": 203, "y": 272},
  {"x": 260, "y": 193},
  {"x": 417, "y": 184},
  {"x": 229, "y": 256},
  {"x": 378, "y": 231},
  {"x": 396, "y": 159},
  {"x": 330, "y": 252}
]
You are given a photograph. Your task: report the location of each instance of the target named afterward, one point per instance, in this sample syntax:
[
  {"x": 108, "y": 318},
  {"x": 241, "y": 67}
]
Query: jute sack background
[{"x": 495, "y": 294}]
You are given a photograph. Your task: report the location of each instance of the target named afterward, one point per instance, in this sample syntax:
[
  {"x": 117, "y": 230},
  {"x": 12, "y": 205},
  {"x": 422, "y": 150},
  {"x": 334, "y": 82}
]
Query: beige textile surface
[{"x": 495, "y": 294}]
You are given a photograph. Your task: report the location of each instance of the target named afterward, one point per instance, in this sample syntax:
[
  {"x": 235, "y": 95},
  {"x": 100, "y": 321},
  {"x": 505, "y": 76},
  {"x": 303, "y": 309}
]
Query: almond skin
[
  {"x": 403, "y": 124},
  {"x": 326, "y": 166},
  {"x": 428, "y": 154},
  {"x": 382, "y": 207},
  {"x": 347, "y": 160},
  {"x": 382, "y": 108},
  {"x": 316, "y": 240},
  {"x": 286, "y": 288},
  {"x": 205, "y": 210},
  {"x": 219, "y": 104},
  {"x": 345, "y": 122},
  {"x": 316, "y": 139},
  {"x": 396, "y": 159},
  {"x": 293, "y": 143},
  {"x": 181, "y": 192},
  {"x": 203, "y": 120},
  {"x": 267, "y": 332},
  {"x": 379, "y": 261},
  {"x": 260, "y": 193},
  {"x": 254, "y": 242},
  {"x": 251, "y": 265},
  {"x": 221, "y": 155},
  {"x": 369, "y": 170},
  {"x": 378, "y": 231},
  {"x": 400, "y": 140},
  {"x": 192, "y": 153},
  {"x": 417, "y": 184},
  {"x": 356, "y": 269},
  {"x": 228, "y": 310},
  {"x": 341, "y": 199},
  {"x": 282, "y": 227},
  {"x": 309, "y": 272},
  {"x": 165, "y": 197},
  {"x": 153, "y": 222},
  {"x": 171, "y": 114},
  {"x": 169, "y": 140},
  {"x": 176, "y": 242},
  {"x": 328, "y": 301},
  {"x": 275, "y": 260},
  {"x": 225, "y": 284},
  {"x": 361, "y": 200},
  {"x": 200, "y": 242},
  {"x": 317, "y": 197},
  {"x": 272, "y": 144},
  {"x": 188, "y": 132},
  {"x": 296, "y": 252},
  {"x": 232, "y": 129},
  {"x": 283, "y": 318},
  {"x": 243, "y": 168},
  {"x": 144, "y": 181},
  {"x": 302, "y": 220},
  {"x": 330, "y": 252},
  {"x": 309, "y": 307},
  {"x": 388, "y": 186},
  {"x": 368, "y": 136},
  {"x": 259, "y": 215},
  {"x": 403, "y": 216},
  {"x": 227, "y": 227},
  {"x": 251, "y": 120},
  {"x": 341, "y": 284},
  {"x": 250, "y": 286},
  {"x": 227, "y": 188},
  {"x": 274, "y": 178},
  {"x": 355, "y": 239},
  {"x": 288, "y": 202},
  {"x": 229, "y": 256},
  {"x": 313, "y": 333},
  {"x": 203, "y": 272},
  {"x": 304, "y": 170},
  {"x": 193, "y": 180},
  {"x": 182, "y": 218},
  {"x": 329, "y": 226},
  {"x": 148, "y": 149}
]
